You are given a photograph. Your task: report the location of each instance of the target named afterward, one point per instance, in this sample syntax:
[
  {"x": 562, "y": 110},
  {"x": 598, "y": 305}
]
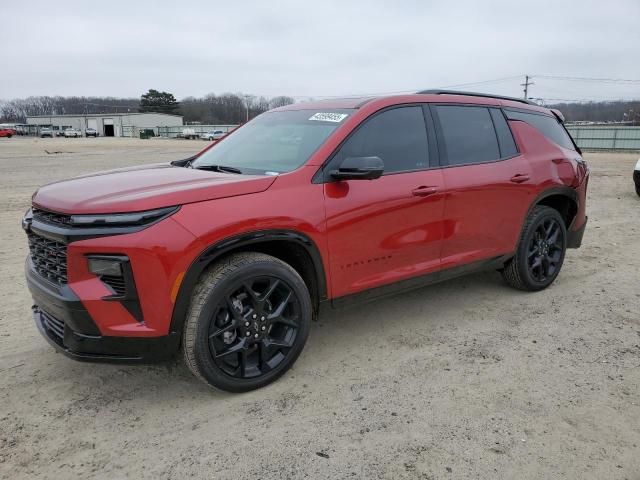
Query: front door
[{"x": 389, "y": 229}]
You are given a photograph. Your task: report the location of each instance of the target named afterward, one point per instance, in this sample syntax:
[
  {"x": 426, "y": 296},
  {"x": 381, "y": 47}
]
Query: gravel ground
[{"x": 465, "y": 379}]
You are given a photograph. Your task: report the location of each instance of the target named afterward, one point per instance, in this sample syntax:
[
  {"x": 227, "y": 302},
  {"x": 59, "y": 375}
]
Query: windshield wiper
[{"x": 218, "y": 168}]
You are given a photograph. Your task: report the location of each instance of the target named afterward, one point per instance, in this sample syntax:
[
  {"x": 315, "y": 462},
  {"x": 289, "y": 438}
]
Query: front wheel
[
  {"x": 540, "y": 251},
  {"x": 247, "y": 323}
]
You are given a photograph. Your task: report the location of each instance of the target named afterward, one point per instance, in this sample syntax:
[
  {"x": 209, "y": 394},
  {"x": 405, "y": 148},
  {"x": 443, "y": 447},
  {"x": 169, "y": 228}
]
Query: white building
[{"x": 107, "y": 124}]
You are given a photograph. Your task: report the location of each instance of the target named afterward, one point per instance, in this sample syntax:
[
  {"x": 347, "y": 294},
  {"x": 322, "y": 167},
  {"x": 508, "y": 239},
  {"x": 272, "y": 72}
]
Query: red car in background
[
  {"x": 7, "y": 132},
  {"x": 227, "y": 256}
]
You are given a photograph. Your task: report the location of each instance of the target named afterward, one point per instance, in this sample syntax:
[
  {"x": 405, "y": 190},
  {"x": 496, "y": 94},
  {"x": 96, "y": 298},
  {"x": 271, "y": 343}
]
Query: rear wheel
[
  {"x": 247, "y": 323},
  {"x": 540, "y": 252}
]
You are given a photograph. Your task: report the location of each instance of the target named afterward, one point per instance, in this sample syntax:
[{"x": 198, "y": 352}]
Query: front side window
[
  {"x": 397, "y": 136},
  {"x": 274, "y": 142},
  {"x": 548, "y": 126},
  {"x": 468, "y": 134}
]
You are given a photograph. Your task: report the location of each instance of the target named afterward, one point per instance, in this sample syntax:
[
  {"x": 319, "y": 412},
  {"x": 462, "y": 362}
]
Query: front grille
[
  {"x": 116, "y": 283},
  {"x": 49, "y": 258},
  {"x": 51, "y": 217},
  {"x": 53, "y": 324}
]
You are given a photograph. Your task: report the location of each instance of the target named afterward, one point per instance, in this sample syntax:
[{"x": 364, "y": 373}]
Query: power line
[
  {"x": 413, "y": 90},
  {"x": 584, "y": 100},
  {"x": 592, "y": 80},
  {"x": 482, "y": 82}
]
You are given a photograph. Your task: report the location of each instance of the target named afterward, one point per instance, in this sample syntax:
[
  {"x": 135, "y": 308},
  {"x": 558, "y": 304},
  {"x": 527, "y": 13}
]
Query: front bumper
[{"x": 66, "y": 325}]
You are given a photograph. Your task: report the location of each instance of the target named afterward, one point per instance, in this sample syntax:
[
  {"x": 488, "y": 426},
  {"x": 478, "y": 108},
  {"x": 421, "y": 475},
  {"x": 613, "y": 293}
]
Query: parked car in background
[
  {"x": 91, "y": 132},
  {"x": 72, "y": 132},
  {"x": 46, "y": 132},
  {"x": 227, "y": 256},
  {"x": 213, "y": 135},
  {"x": 636, "y": 177},
  {"x": 18, "y": 129},
  {"x": 7, "y": 132}
]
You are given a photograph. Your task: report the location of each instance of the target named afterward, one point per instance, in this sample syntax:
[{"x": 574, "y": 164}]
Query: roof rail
[{"x": 474, "y": 94}]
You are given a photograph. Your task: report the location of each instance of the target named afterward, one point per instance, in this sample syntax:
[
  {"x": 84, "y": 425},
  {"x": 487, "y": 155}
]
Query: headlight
[{"x": 122, "y": 219}]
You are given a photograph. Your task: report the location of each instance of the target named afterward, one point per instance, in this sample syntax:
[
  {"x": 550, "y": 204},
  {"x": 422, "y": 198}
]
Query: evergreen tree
[{"x": 160, "y": 102}]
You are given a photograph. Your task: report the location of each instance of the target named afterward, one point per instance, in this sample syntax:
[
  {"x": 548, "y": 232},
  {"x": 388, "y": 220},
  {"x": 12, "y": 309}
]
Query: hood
[{"x": 144, "y": 188}]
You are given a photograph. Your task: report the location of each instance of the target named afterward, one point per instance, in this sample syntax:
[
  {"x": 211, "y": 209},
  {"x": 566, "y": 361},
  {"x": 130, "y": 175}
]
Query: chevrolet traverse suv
[{"x": 227, "y": 256}]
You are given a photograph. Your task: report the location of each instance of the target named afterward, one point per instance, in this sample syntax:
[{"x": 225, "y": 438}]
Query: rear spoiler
[{"x": 558, "y": 114}]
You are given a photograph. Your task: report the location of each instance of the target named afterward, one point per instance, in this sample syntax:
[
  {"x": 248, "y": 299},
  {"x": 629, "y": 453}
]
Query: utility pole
[
  {"x": 246, "y": 102},
  {"x": 526, "y": 86}
]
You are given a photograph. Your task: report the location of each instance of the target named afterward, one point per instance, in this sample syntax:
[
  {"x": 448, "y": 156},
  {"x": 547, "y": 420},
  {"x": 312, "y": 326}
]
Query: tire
[
  {"x": 638, "y": 189},
  {"x": 247, "y": 323},
  {"x": 10, "y": 136},
  {"x": 540, "y": 251}
]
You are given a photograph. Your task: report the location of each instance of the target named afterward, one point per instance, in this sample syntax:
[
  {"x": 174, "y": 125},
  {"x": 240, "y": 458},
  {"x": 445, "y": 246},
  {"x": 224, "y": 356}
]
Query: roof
[
  {"x": 448, "y": 96},
  {"x": 475, "y": 94},
  {"x": 125, "y": 114},
  {"x": 346, "y": 102}
]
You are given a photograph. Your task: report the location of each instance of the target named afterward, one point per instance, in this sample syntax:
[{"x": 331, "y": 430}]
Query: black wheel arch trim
[
  {"x": 564, "y": 191},
  {"x": 574, "y": 238},
  {"x": 219, "y": 249}
]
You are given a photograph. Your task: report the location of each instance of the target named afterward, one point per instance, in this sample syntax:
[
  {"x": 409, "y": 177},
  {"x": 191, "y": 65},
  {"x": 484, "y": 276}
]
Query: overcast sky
[{"x": 317, "y": 48}]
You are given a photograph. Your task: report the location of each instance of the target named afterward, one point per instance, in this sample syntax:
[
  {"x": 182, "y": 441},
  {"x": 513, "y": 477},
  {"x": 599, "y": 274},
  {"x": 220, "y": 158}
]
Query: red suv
[{"x": 230, "y": 254}]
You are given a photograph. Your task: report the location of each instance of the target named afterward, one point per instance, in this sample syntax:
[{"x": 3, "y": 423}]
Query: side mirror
[{"x": 359, "y": 168}]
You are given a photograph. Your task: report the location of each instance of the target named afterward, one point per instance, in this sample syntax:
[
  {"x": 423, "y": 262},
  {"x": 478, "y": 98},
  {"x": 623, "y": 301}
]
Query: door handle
[
  {"x": 558, "y": 161},
  {"x": 424, "y": 191},
  {"x": 520, "y": 177}
]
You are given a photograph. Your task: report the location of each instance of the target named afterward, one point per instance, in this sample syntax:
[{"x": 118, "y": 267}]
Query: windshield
[{"x": 274, "y": 142}]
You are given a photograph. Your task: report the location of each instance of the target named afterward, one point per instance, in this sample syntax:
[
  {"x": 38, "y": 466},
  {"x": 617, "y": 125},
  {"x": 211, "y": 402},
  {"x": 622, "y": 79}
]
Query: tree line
[
  {"x": 227, "y": 108},
  {"x": 235, "y": 108},
  {"x": 601, "y": 111}
]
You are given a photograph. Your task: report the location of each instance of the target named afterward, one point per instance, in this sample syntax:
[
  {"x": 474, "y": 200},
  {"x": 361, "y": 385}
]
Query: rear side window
[
  {"x": 398, "y": 136},
  {"x": 468, "y": 134},
  {"x": 548, "y": 126},
  {"x": 505, "y": 139}
]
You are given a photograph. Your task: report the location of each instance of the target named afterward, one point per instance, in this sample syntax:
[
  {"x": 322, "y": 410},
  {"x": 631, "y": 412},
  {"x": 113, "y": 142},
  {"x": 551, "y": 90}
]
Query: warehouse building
[{"x": 107, "y": 124}]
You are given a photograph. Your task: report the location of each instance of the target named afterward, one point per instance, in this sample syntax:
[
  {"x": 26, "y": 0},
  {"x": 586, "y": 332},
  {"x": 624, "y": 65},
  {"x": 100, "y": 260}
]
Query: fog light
[{"x": 105, "y": 266}]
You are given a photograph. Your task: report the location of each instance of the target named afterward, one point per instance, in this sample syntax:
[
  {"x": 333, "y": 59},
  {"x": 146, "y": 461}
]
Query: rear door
[
  {"x": 389, "y": 229},
  {"x": 487, "y": 182}
]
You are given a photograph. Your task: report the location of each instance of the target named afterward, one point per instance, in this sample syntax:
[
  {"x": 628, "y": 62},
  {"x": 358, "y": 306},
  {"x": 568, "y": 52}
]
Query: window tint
[
  {"x": 548, "y": 126},
  {"x": 468, "y": 134},
  {"x": 398, "y": 136},
  {"x": 505, "y": 139}
]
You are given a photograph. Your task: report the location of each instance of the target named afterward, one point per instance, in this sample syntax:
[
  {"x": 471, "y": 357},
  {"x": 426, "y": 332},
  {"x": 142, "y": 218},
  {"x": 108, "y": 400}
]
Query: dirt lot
[{"x": 466, "y": 379}]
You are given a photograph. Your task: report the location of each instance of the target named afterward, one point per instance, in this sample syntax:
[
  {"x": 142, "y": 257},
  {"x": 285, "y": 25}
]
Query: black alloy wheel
[
  {"x": 545, "y": 250},
  {"x": 254, "y": 327},
  {"x": 248, "y": 321},
  {"x": 540, "y": 252}
]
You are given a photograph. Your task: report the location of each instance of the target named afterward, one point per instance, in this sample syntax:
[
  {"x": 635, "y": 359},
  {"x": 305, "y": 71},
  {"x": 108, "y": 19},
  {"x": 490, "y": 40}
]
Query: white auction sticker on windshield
[{"x": 329, "y": 117}]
